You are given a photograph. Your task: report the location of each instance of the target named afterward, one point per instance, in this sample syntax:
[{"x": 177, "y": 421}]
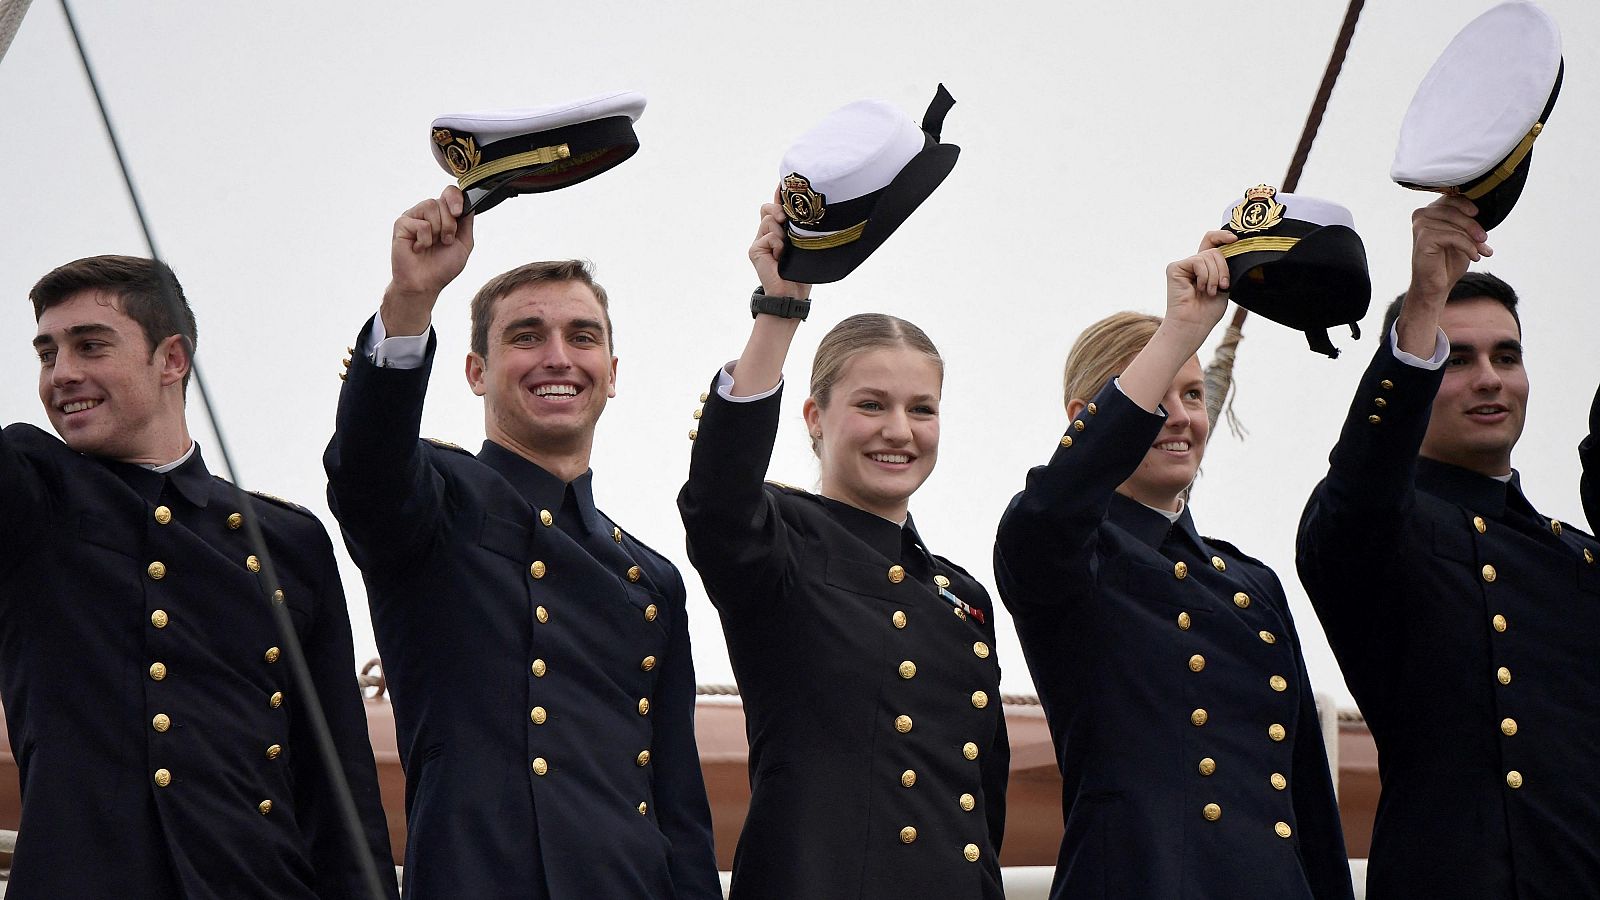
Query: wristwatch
[{"x": 782, "y": 307}]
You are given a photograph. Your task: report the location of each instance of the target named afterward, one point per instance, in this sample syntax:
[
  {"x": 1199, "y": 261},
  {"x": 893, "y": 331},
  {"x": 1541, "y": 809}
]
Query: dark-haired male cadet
[
  {"x": 162, "y": 749},
  {"x": 1467, "y": 624},
  {"x": 538, "y": 655}
]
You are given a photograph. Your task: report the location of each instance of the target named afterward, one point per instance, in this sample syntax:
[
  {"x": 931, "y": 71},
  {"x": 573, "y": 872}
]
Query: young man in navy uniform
[
  {"x": 161, "y": 747},
  {"x": 1465, "y": 622},
  {"x": 538, "y": 656}
]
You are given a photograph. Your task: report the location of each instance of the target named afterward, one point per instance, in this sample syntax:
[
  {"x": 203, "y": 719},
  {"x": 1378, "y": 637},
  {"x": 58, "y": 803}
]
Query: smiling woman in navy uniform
[
  {"x": 1166, "y": 662},
  {"x": 878, "y": 753}
]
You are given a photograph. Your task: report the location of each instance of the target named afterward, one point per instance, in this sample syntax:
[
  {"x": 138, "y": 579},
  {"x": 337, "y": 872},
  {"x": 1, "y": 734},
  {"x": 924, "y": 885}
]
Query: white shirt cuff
[
  {"x": 725, "y": 386},
  {"x": 402, "y": 352},
  {"x": 1160, "y": 409},
  {"x": 1441, "y": 350}
]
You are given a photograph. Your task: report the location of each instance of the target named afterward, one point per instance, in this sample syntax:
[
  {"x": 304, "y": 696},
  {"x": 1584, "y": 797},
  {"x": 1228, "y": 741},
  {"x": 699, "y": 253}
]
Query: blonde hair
[
  {"x": 1104, "y": 350},
  {"x": 859, "y": 334}
]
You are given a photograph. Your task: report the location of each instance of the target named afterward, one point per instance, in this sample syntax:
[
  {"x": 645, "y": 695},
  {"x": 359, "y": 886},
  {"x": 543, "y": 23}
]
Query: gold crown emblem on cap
[
  {"x": 461, "y": 154},
  {"x": 801, "y": 204},
  {"x": 1257, "y": 212}
]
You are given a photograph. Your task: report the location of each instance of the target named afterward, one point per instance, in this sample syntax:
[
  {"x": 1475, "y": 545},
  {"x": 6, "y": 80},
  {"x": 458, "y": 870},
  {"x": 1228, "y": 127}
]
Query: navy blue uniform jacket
[
  {"x": 1468, "y": 628},
  {"x": 878, "y": 753},
  {"x": 1589, "y": 457},
  {"x": 161, "y": 747},
  {"x": 1173, "y": 683},
  {"x": 538, "y": 657}
]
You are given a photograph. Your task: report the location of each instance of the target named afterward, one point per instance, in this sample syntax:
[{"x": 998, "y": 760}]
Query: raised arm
[{"x": 387, "y": 499}]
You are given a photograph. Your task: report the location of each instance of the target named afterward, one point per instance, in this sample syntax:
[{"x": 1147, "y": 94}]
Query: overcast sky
[{"x": 275, "y": 143}]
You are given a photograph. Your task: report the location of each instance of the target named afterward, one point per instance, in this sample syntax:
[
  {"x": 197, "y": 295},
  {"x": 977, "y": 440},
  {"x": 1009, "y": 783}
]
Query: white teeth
[
  {"x": 80, "y": 406},
  {"x": 891, "y": 457},
  {"x": 1173, "y": 445},
  {"x": 556, "y": 390}
]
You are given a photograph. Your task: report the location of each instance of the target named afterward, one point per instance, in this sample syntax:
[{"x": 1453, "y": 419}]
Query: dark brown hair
[
  {"x": 533, "y": 273},
  {"x": 141, "y": 286}
]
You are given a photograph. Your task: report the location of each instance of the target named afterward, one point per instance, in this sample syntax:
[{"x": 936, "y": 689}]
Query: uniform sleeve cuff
[
  {"x": 1441, "y": 350},
  {"x": 401, "y": 352},
  {"x": 725, "y": 386}
]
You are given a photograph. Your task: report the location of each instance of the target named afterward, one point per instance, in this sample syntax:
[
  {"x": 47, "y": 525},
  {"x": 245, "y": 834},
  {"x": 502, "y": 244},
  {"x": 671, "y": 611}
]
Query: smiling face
[
  {"x": 1173, "y": 460},
  {"x": 879, "y": 433},
  {"x": 105, "y": 392},
  {"x": 1479, "y": 411},
  {"x": 549, "y": 370}
]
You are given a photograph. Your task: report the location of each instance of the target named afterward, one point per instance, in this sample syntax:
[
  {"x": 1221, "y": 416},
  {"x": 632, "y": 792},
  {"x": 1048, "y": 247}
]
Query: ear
[
  {"x": 611, "y": 389},
  {"x": 1074, "y": 407},
  {"x": 476, "y": 366},
  {"x": 813, "y": 416},
  {"x": 175, "y": 357}
]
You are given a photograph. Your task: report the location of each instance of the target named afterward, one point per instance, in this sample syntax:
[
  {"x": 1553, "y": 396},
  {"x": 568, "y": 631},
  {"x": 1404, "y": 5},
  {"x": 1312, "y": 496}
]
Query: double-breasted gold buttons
[
  {"x": 968, "y": 802},
  {"x": 634, "y": 574},
  {"x": 616, "y": 534},
  {"x": 158, "y": 671},
  {"x": 276, "y": 700},
  {"x": 1588, "y": 556},
  {"x": 941, "y": 581},
  {"x": 1508, "y": 726},
  {"x": 971, "y": 852},
  {"x": 537, "y": 568},
  {"x": 252, "y": 562},
  {"x": 542, "y": 614},
  {"x": 1555, "y": 527},
  {"x": 1184, "y": 621},
  {"x": 902, "y": 724},
  {"x": 908, "y": 778},
  {"x": 1278, "y": 683},
  {"x": 1479, "y": 525},
  {"x": 1066, "y": 440},
  {"x": 1268, "y": 637},
  {"x": 1489, "y": 573},
  {"x": 274, "y": 751},
  {"x": 969, "y": 750},
  {"x": 1282, "y": 829},
  {"x": 1379, "y": 402},
  {"x": 161, "y": 722},
  {"x": 648, "y": 663},
  {"x": 643, "y": 759},
  {"x": 1197, "y": 663},
  {"x": 1513, "y": 779},
  {"x": 545, "y": 518},
  {"x": 1077, "y": 424},
  {"x": 1499, "y": 622},
  {"x": 235, "y": 521},
  {"x": 159, "y": 618},
  {"x": 979, "y": 699},
  {"x": 899, "y": 618},
  {"x": 163, "y": 777},
  {"x": 538, "y": 715},
  {"x": 1180, "y": 570},
  {"x": 264, "y": 807},
  {"x": 541, "y": 766},
  {"x": 1207, "y": 767},
  {"x": 1218, "y": 564},
  {"x": 272, "y": 654},
  {"x": 1212, "y": 812},
  {"x": 1374, "y": 419},
  {"x": 1241, "y": 600},
  {"x": 980, "y": 650},
  {"x": 163, "y": 515},
  {"x": 1199, "y": 717},
  {"x": 1093, "y": 409},
  {"x": 1503, "y": 675},
  {"x": 650, "y": 613},
  {"x": 908, "y": 834},
  {"x": 1276, "y": 732},
  {"x": 1386, "y": 384},
  {"x": 644, "y": 706},
  {"x": 1278, "y": 781},
  {"x": 897, "y": 574},
  {"x": 156, "y": 570},
  {"x": 644, "y": 808},
  {"x": 908, "y": 669}
]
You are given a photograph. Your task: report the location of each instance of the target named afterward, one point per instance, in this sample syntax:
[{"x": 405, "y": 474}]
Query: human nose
[
  {"x": 1177, "y": 411},
  {"x": 64, "y": 370},
  {"x": 1485, "y": 378},
  {"x": 556, "y": 355},
  {"x": 897, "y": 427}
]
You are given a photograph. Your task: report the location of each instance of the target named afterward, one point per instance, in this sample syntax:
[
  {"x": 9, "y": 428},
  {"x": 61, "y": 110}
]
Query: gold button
[
  {"x": 1183, "y": 621},
  {"x": 633, "y": 574},
  {"x": 542, "y": 614},
  {"x": 1379, "y": 402},
  {"x": 272, "y": 654},
  {"x": 1499, "y": 622},
  {"x": 698, "y": 413},
  {"x": 980, "y": 650},
  {"x": 704, "y": 396},
  {"x": 908, "y": 834},
  {"x": 908, "y": 778},
  {"x": 644, "y": 808},
  {"x": 158, "y": 671},
  {"x": 540, "y": 767},
  {"x": 163, "y": 515},
  {"x": 1241, "y": 600},
  {"x": 1555, "y": 527},
  {"x": 644, "y": 706},
  {"x": 616, "y": 534},
  {"x": 157, "y": 570},
  {"x": 1282, "y": 828},
  {"x": 897, "y": 574},
  {"x": 235, "y": 520},
  {"x": 1276, "y": 732},
  {"x": 1093, "y": 410},
  {"x": 537, "y": 568},
  {"x": 650, "y": 613},
  {"x": 264, "y": 806},
  {"x": 1199, "y": 717},
  {"x": 159, "y": 618},
  {"x": 252, "y": 563},
  {"x": 545, "y": 518},
  {"x": 980, "y": 699},
  {"x": 1218, "y": 564},
  {"x": 1269, "y": 637},
  {"x": 277, "y": 596},
  {"x": 1208, "y": 766},
  {"x": 1278, "y": 683},
  {"x": 1197, "y": 663},
  {"x": 1180, "y": 569},
  {"x": 276, "y": 700},
  {"x": 274, "y": 751},
  {"x": 1503, "y": 675},
  {"x": 969, "y": 750},
  {"x": 1588, "y": 556},
  {"x": 694, "y": 433},
  {"x": 1479, "y": 524},
  {"x": 1077, "y": 424},
  {"x": 960, "y": 613},
  {"x": 908, "y": 669},
  {"x": 161, "y": 722},
  {"x": 648, "y": 663},
  {"x": 163, "y": 778},
  {"x": 941, "y": 581},
  {"x": 1386, "y": 384},
  {"x": 1374, "y": 419},
  {"x": 1279, "y": 782},
  {"x": 1212, "y": 812},
  {"x": 1488, "y": 573},
  {"x": 1514, "y": 779},
  {"x": 902, "y": 724},
  {"x": 970, "y": 852},
  {"x": 968, "y": 802},
  {"x": 538, "y": 715},
  {"x": 643, "y": 759},
  {"x": 1508, "y": 726},
  {"x": 899, "y": 618},
  {"x": 1066, "y": 440},
  {"x": 538, "y": 668}
]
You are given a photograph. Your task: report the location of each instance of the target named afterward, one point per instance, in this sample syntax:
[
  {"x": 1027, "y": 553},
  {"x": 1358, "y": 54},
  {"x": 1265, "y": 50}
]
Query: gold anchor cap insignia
[
  {"x": 1257, "y": 212},
  {"x": 801, "y": 204}
]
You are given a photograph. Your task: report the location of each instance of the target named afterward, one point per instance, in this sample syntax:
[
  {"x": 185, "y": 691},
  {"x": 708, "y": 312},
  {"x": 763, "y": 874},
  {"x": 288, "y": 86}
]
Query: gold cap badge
[
  {"x": 1258, "y": 211},
  {"x": 461, "y": 154},
  {"x": 801, "y": 204}
]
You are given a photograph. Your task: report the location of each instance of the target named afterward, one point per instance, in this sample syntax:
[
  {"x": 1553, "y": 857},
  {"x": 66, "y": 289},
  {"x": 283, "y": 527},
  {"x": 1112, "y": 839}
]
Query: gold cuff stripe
[
  {"x": 540, "y": 157},
  {"x": 1257, "y": 244},
  {"x": 1509, "y": 167},
  {"x": 829, "y": 241}
]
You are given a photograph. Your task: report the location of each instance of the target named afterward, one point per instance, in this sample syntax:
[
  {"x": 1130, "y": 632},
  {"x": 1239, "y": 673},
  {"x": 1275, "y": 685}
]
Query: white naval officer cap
[
  {"x": 495, "y": 154},
  {"x": 1471, "y": 126}
]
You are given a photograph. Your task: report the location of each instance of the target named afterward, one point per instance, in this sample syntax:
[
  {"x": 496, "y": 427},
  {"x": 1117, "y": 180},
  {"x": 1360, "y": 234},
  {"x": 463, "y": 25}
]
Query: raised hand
[
  {"x": 428, "y": 248},
  {"x": 765, "y": 251},
  {"x": 1445, "y": 240},
  {"x": 1197, "y": 289}
]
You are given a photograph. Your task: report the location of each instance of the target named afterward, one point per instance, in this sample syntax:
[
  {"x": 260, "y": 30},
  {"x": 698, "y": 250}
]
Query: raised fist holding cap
[{"x": 428, "y": 249}]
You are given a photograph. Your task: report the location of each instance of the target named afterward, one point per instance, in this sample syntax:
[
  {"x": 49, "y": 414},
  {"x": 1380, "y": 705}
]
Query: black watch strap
[{"x": 782, "y": 307}]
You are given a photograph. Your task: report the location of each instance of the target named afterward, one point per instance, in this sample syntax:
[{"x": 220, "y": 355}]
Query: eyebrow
[
  {"x": 539, "y": 322},
  {"x": 1507, "y": 344},
  {"x": 879, "y": 392},
  {"x": 93, "y": 328}
]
